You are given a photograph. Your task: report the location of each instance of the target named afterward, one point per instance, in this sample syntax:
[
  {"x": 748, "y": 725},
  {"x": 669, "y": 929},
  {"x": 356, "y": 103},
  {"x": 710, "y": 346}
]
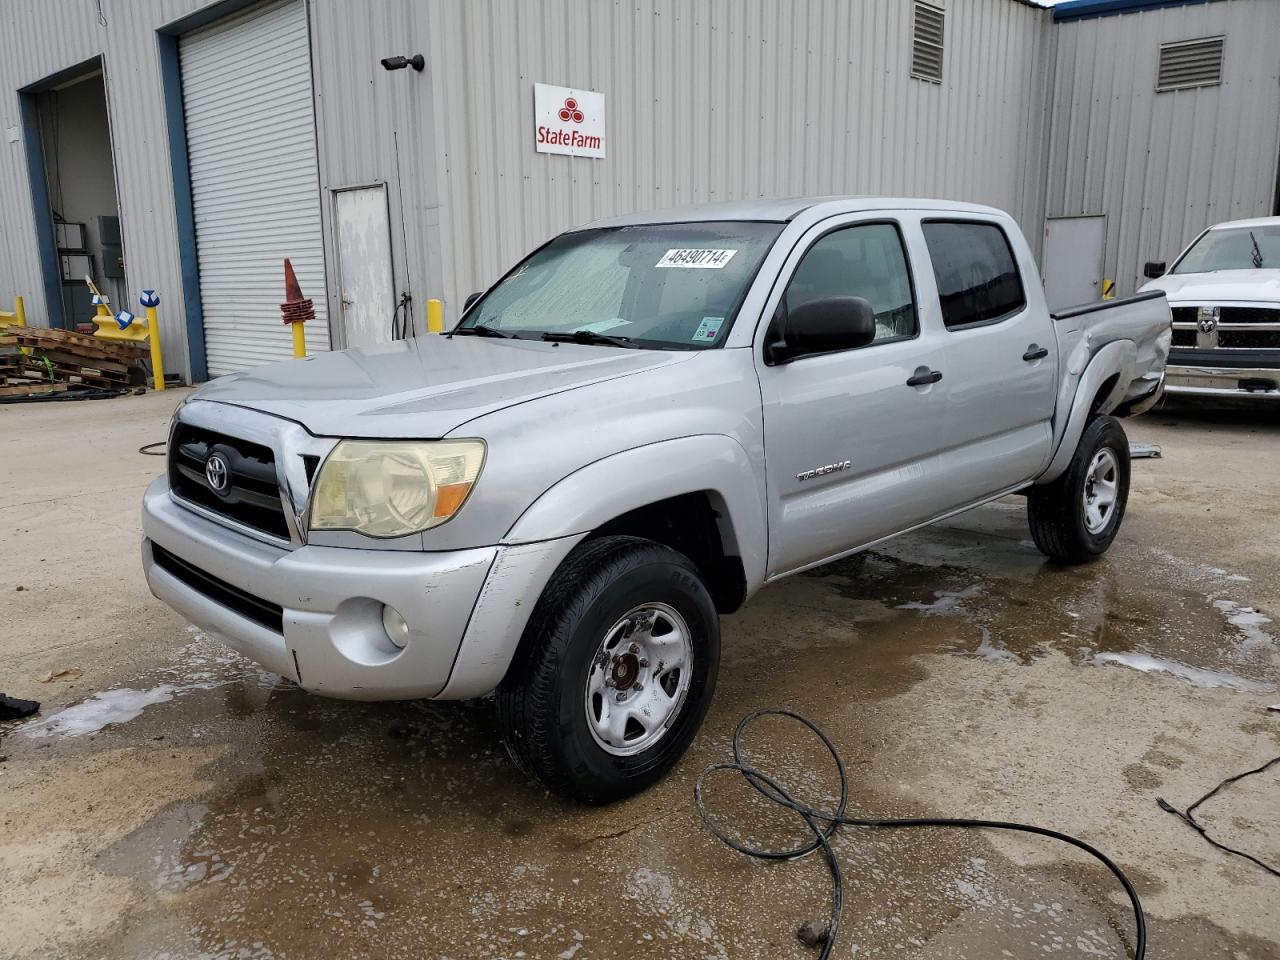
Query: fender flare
[
  {"x": 1118, "y": 357},
  {"x": 600, "y": 491}
]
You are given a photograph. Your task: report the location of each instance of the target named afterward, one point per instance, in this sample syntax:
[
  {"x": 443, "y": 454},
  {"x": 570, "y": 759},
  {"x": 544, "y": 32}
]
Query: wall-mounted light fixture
[{"x": 417, "y": 61}]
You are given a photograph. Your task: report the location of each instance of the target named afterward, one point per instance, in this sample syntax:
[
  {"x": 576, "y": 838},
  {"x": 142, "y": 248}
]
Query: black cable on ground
[
  {"x": 149, "y": 449},
  {"x": 824, "y": 823},
  {"x": 1189, "y": 818}
]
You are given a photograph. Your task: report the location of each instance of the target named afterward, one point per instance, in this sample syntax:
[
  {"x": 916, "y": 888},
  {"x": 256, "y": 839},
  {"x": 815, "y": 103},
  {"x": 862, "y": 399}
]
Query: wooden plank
[
  {"x": 32, "y": 390},
  {"x": 89, "y": 375},
  {"x": 57, "y": 357},
  {"x": 79, "y": 342}
]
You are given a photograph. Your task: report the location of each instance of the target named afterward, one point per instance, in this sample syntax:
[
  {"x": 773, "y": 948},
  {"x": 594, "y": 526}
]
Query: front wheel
[
  {"x": 1075, "y": 518},
  {"x": 615, "y": 670}
]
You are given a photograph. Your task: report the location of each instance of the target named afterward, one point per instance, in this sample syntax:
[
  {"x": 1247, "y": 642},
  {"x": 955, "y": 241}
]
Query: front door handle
[
  {"x": 923, "y": 377},
  {"x": 1035, "y": 352}
]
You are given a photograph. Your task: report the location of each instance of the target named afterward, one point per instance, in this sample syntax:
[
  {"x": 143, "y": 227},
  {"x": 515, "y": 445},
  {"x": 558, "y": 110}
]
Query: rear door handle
[
  {"x": 923, "y": 377},
  {"x": 1035, "y": 352}
]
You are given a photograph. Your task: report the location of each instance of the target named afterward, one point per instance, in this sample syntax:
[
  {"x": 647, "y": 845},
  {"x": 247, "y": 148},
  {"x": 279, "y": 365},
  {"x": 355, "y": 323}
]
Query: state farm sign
[{"x": 568, "y": 121}]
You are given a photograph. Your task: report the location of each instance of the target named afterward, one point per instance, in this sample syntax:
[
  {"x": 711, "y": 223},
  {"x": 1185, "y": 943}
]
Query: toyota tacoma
[{"x": 635, "y": 429}]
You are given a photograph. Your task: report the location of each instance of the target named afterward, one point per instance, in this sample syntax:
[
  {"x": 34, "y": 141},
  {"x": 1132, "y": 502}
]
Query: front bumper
[
  {"x": 1248, "y": 383},
  {"x": 331, "y": 640}
]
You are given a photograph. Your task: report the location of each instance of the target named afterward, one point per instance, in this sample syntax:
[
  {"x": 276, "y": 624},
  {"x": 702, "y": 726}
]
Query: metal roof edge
[{"x": 1091, "y": 9}]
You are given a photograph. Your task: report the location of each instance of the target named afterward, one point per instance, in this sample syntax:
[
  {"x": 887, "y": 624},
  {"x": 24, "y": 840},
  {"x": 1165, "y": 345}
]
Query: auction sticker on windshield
[
  {"x": 699, "y": 259},
  {"x": 707, "y": 329}
]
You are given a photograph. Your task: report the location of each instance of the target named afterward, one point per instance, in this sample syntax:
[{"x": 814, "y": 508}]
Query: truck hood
[
  {"x": 423, "y": 387},
  {"x": 1221, "y": 286}
]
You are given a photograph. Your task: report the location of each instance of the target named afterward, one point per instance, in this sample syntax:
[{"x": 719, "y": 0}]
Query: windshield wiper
[
  {"x": 1257, "y": 254},
  {"x": 588, "y": 336},
  {"x": 483, "y": 330}
]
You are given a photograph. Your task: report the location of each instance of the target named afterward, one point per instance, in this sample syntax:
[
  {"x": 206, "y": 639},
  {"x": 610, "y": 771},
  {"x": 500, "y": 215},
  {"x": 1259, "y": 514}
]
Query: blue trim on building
[
  {"x": 46, "y": 242},
  {"x": 1087, "y": 9},
  {"x": 204, "y": 16},
  {"x": 179, "y": 165}
]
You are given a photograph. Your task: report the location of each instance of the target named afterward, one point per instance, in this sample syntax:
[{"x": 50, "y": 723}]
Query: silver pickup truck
[{"x": 634, "y": 430}]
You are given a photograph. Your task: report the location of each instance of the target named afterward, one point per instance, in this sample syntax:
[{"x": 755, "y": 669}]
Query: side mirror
[
  {"x": 471, "y": 298},
  {"x": 1153, "y": 269},
  {"x": 823, "y": 326}
]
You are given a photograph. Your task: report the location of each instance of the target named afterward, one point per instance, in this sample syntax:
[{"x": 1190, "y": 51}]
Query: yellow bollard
[
  {"x": 157, "y": 360},
  {"x": 299, "y": 340},
  {"x": 19, "y": 312},
  {"x": 435, "y": 316}
]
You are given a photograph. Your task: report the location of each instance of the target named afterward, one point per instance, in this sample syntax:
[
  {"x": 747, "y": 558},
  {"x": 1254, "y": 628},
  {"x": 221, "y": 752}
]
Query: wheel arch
[
  {"x": 1100, "y": 388},
  {"x": 706, "y": 481}
]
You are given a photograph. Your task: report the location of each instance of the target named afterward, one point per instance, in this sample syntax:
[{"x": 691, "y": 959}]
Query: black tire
[
  {"x": 1057, "y": 510},
  {"x": 542, "y": 709}
]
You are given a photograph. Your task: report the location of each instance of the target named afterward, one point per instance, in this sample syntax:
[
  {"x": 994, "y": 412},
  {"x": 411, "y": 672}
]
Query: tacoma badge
[{"x": 823, "y": 471}]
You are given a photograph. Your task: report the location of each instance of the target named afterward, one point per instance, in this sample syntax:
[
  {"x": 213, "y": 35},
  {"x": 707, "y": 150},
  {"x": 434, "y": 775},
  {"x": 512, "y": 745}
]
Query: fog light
[{"x": 397, "y": 629}]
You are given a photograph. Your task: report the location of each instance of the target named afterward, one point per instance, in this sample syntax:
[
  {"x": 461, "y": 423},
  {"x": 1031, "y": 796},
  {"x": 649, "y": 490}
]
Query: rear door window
[{"x": 978, "y": 280}]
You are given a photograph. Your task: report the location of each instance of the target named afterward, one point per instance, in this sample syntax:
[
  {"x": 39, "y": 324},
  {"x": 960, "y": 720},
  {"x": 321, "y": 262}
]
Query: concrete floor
[{"x": 173, "y": 801}]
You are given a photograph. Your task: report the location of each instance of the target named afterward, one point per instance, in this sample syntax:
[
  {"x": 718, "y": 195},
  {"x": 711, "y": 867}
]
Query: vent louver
[
  {"x": 1190, "y": 63},
  {"x": 926, "y": 43}
]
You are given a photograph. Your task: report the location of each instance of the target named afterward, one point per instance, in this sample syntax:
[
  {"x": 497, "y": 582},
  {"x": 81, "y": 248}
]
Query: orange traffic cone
[{"x": 295, "y": 310}]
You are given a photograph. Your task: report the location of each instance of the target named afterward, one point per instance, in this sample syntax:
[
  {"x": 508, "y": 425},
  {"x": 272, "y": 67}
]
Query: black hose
[
  {"x": 1189, "y": 818},
  {"x": 149, "y": 449},
  {"x": 823, "y": 824}
]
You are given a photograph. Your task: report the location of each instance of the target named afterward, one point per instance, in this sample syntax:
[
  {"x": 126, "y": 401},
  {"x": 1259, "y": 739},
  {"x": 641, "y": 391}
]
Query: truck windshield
[
  {"x": 657, "y": 286},
  {"x": 1234, "y": 248}
]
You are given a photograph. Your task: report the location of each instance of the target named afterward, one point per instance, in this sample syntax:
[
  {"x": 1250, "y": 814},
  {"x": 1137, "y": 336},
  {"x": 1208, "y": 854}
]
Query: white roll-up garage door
[{"x": 251, "y": 144}]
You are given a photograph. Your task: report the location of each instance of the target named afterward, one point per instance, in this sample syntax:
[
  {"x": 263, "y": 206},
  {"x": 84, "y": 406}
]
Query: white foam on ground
[
  {"x": 1193, "y": 675},
  {"x": 945, "y": 602},
  {"x": 90, "y": 716},
  {"x": 1247, "y": 620}
]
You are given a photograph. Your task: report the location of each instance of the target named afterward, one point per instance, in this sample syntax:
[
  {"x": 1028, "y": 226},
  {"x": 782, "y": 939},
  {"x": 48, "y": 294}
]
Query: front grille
[
  {"x": 1248, "y": 315},
  {"x": 262, "y": 612},
  {"x": 1253, "y": 337},
  {"x": 1249, "y": 339},
  {"x": 252, "y": 494}
]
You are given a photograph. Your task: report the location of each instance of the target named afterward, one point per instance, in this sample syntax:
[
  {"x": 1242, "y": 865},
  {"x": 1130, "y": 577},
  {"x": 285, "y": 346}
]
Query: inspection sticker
[
  {"x": 707, "y": 329},
  {"x": 696, "y": 259}
]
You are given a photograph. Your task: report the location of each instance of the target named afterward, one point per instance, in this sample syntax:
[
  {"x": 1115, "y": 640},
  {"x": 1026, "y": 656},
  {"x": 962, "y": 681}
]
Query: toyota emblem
[{"x": 215, "y": 471}]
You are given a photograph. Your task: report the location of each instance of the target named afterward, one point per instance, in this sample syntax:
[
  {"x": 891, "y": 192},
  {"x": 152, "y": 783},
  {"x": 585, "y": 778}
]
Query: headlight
[{"x": 392, "y": 488}]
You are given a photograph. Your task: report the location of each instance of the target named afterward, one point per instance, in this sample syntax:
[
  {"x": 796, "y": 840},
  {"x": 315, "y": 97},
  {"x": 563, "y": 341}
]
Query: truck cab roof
[{"x": 784, "y": 210}]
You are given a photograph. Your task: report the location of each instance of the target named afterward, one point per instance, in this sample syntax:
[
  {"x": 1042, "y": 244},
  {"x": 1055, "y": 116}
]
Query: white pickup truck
[
  {"x": 634, "y": 430},
  {"x": 1224, "y": 291}
]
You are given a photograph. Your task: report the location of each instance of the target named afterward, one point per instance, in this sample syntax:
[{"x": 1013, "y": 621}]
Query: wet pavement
[{"x": 180, "y": 802}]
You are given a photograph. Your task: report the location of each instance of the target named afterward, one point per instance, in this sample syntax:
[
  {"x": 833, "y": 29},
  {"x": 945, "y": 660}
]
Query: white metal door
[
  {"x": 246, "y": 92},
  {"x": 1072, "y": 260},
  {"x": 365, "y": 284}
]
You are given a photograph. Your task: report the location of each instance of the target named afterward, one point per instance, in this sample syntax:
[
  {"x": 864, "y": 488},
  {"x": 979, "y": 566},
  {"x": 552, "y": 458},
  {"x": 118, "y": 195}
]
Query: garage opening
[
  {"x": 255, "y": 183},
  {"x": 80, "y": 184}
]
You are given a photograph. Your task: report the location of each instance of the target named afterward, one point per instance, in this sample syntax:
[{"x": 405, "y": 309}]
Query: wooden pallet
[
  {"x": 31, "y": 388},
  {"x": 82, "y": 345}
]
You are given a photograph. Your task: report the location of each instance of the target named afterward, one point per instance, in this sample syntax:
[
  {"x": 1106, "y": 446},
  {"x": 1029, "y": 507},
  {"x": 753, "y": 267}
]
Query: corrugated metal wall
[
  {"x": 723, "y": 99},
  {"x": 42, "y": 37},
  {"x": 1163, "y": 166},
  {"x": 713, "y": 100}
]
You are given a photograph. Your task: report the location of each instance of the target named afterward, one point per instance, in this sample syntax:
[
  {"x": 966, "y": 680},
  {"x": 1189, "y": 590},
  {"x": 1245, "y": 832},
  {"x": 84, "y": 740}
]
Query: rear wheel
[
  {"x": 1075, "y": 518},
  {"x": 615, "y": 671}
]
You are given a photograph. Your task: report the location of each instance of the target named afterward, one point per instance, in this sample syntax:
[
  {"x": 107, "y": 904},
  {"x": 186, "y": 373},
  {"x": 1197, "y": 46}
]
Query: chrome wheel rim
[
  {"x": 639, "y": 679},
  {"x": 1101, "y": 490}
]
